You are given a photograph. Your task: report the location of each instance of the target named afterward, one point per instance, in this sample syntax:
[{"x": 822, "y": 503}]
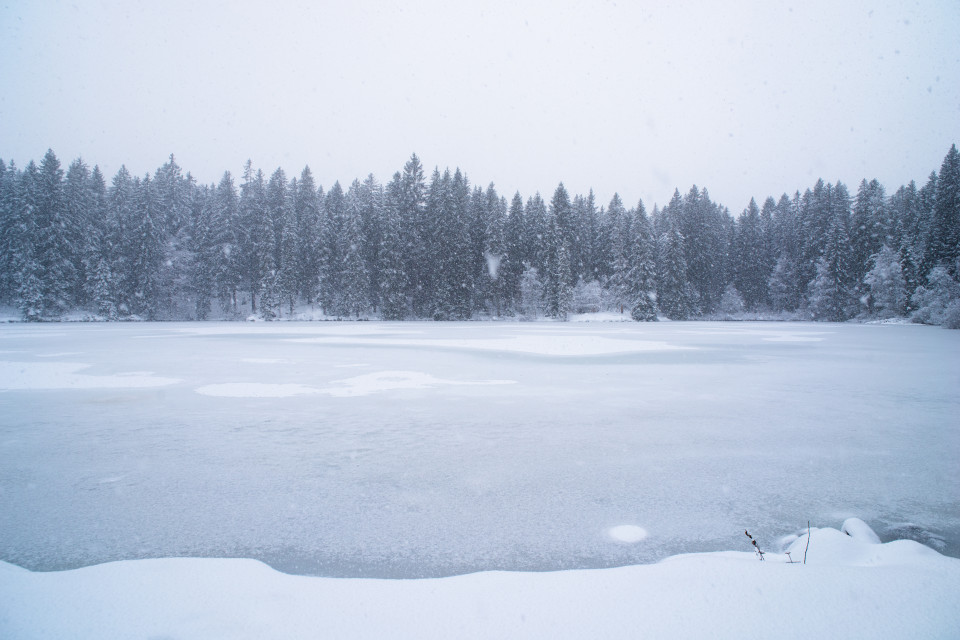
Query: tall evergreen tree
[
  {"x": 536, "y": 233},
  {"x": 225, "y": 223},
  {"x": 616, "y": 253},
  {"x": 641, "y": 279},
  {"x": 673, "y": 291},
  {"x": 750, "y": 273},
  {"x": 831, "y": 291},
  {"x": 255, "y": 234},
  {"x": 146, "y": 243},
  {"x": 564, "y": 230},
  {"x": 54, "y": 251},
  {"x": 511, "y": 269},
  {"x": 944, "y": 245},
  {"x": 205, "y": 251},
  {"x": 306, "y": 209},
  {"x": 495, "y": 250},
  {"x": 392, "y": 261}
]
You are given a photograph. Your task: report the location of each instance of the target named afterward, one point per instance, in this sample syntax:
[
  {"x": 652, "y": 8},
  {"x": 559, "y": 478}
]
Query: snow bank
[{"x": 848, "y": 588}]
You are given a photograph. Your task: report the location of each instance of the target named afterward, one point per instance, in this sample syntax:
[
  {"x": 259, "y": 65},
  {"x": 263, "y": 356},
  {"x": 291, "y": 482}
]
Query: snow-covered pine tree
[
  {"x": 10, "y": 187},
  {"x": 495, "y": 250},
  {"x": 99, "y": 252},
  {"x": 121, "y": 207},
  {"x": 944, "y": 244},
  {"x": 750, "y": 279},
  {"x": 536, "y": 246},
  {"x": 561, "y": 214},
  {"x": 370, "y": 200},
  {"x": 277, "y": 202},
  {"x": 254, "y": 234},
  {"x": 354, "y": 284},
  {"x": 641, "y": 279},
  {"x": 147, "y": 252},
  {"x": 588, "y": 215},
  {"x": 673, "y": 291},
  {"x": 831, "y": 292},
  {"x": 616, "y": 253},
  {"x": 564, "y": 290},
  {"x": 393, "y": 279},
  {"x": 78, "y": 204},
  {"x": 28, "y": 293},
  {"x": 869, "y": 227},
  {"x": 206, "y": 251},
  {"x": 224, "y": 227},
  {"x": 477, "y": 283},
  {"x": 307, "y": 218},
  {"x": 511, "y": 268},
  {"x": 53, "y": 249},
  {"x": 332, "y": 247}
]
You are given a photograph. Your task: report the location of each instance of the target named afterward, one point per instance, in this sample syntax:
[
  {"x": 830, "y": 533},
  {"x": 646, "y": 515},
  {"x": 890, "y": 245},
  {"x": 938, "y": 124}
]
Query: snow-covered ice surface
[
  {"x": 849, "y": 588},
  {"x": 433, "y": 449}
]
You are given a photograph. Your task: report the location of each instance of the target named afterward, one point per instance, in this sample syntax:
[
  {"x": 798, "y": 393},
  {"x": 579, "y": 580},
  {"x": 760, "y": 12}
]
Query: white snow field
[{"x": 851, "y": 587}]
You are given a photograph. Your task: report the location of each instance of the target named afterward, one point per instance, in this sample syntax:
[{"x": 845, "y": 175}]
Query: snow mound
[
  {"x": 627, "y": 533},
  {"x": 848, "y": 588},
  {"x": 859, "y": 530}
]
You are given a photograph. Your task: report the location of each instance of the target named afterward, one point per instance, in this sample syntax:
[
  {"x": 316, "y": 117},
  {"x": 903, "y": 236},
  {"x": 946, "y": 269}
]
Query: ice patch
[
  {"x": 63, "y": 375},
  {"x": 628, "y": 533},
  {"x": 265, "y": 360},
  {"x": 792, "y": 337},
  {"x": 346, "y": 388},
  {"x": 63, "y": 354},
  {"x": 541, "y": 345},
  {"x": 391, "y": 380},
  {"x": 256, "y": 390}
]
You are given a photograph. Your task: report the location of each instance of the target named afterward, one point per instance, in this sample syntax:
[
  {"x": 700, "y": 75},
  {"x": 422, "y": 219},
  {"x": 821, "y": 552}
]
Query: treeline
[{"x": 163, "y": 247}]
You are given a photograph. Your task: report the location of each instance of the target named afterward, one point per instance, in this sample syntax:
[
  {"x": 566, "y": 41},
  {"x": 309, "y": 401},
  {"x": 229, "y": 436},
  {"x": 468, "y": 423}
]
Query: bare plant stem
[{"x": 808, "y": 543}]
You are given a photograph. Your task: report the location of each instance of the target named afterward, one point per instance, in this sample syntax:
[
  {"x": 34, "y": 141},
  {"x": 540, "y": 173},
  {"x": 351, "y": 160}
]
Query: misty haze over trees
[{"x": 163, "y": 247}]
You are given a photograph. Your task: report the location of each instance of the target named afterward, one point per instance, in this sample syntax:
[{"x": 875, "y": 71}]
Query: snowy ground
[
  {"x": 851, "y": 587},
  {"x": 429, "y": 449}
]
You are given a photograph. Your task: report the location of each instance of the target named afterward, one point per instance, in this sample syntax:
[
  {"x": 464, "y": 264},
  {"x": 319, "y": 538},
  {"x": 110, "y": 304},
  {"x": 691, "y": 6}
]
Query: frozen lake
[{"x": 426, "y": 449}]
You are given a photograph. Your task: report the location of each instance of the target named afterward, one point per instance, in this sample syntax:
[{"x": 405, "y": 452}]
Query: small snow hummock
[
  {"x": 628, "y": 533},
  {"x": 850, "y": 587}
]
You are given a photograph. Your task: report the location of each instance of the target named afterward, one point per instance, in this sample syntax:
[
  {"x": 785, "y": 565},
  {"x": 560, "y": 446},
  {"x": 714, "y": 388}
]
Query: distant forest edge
[{"x": 163, "y": 247}]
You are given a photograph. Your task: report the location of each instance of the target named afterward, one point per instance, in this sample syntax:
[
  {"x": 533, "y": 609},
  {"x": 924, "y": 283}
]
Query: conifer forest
[{"x": 163, "y": 247}]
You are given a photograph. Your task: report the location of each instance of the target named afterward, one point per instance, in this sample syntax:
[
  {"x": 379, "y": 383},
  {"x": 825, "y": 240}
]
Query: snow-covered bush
[
  {"x": 531, "y": 294},
  {"x": 951, "y": 317},
  {"x": 888, "y": 287},
  {"x": 937, "y": 301},
  {"x": 587, "y": 297},
  {"x": 731, "y": 303}
]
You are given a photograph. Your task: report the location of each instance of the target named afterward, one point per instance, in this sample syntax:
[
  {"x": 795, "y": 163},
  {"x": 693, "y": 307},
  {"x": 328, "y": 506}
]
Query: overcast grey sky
[{"x": 751, "y": 99}]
